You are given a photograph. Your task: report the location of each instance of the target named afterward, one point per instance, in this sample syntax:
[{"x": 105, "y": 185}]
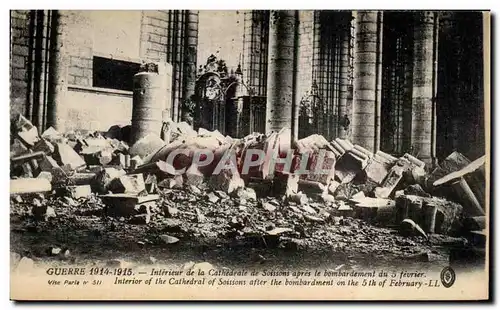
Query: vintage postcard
[{"x": 249, "y": 155}]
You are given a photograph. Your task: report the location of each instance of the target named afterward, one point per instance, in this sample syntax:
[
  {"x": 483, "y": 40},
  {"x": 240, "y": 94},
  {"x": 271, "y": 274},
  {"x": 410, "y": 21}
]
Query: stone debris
[{"x": 356, "y": 193}]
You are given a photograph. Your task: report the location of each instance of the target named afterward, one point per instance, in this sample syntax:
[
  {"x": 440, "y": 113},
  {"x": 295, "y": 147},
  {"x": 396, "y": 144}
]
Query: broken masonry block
[
  {"x": 409, "y": 207},
  {"x": 127, "y": 184},
  {"x": 298, "y": 198},
  {"x": 226, "y": 181},
  {"x": 429, "y": 213},
  {"x": 135, "y": 162},
  {"x": 52, "y": 135},
  {"x": 393, "y": 179},
  {"x": 104, "y": 178},
  {"x": 246, "y": 193},
  {"x": 193, "y": 176},
  {"x": 29, "y": 185},
  {"x": 352, "y": 163},
  {"x": 379, "y": 166},
  {"x": 151, "y": 183},
  {"x": 173, "y": 182},
  {"x": 125, "y": 205},
  {"x": 292, "y": 184},
  {"x": 25, "y": 131},
  {"x": 45, "y": 175},
  {"x": 328, "y": 164},
  {"x": 82, "y": 178},
  {"x": 66, "y": 156},
  {"x": 44, "y": 146},
  {"x": 332, "y": 187},
  {"x": 367, "y": 208},
  {"x": 473, "y": 196},
  {"x": 79, "y": 191},
  {"x": 150, "y": 144},
  {"x": 417, "y": 190}
]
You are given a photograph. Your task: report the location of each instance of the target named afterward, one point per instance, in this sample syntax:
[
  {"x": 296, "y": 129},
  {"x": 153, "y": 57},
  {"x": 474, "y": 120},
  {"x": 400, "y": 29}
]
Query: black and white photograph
[{"x": 249, "y": 154}]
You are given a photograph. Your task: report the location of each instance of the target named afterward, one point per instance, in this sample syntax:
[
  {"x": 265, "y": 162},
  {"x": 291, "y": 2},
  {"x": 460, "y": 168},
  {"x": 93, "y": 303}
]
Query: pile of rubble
[{"x": 138, "y": 184}]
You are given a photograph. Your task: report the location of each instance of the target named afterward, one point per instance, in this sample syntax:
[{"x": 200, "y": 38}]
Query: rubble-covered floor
[
  {"x": 225, "y": 233},
  {"x": 78, "y": 197}
]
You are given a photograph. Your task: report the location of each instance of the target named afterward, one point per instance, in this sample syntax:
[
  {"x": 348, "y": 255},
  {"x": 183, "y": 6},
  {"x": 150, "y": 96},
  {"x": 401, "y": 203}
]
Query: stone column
[
  {"x": 280, "y": 77},
  {"x": 367, "y": 60},
  {"x": 58, "y": 71},
  {"x": 190, "y": 55},
  {"x": 344, "y": 74},
  {"x": 423, "y": 100}
]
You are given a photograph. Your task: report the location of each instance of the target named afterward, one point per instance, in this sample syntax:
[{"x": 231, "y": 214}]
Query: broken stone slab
[
  {"x": 351, "y": 163},
  {"x": 227, "y": 181},
  {"x": 393, "y": 179},
  {"x": 150, "y": 144},
  {"x": 135, "y": 162},
  {"x": 66, "y": 156},
  {"x": 472, "y": 194},
  {"x": 104, "y": 178},
  {"x": 193, "y": 176},
  {"x": 128, "y": 184},
  {"x": 52, "y": 135},
  {"x": 127, "y": 204},
  {"x": 45, "y": 175},
  {"x": 454, "y": 162},
  {"x": 80, "y": 191},
  {"x": 298, "y": 198},
  {"x": 367, "y": 208},
  {"x": 379, "y": 166},
  {"x": 172, "y": 182},
  {"x": 82, "y": 178},
  {"x": 456, "y": 175},
  {"x": 415, "y": 189},
  {"x": 328, "y": 164},
  {"x": 151, "y": 183},
  {"x": 97, "y": 156},
  {"x": 25, "y": 131},
  {"x": 246, "y": 193},
  {"x": 29, "y": 185},
  {"x": 268, "y": 207},
  {"x": 44, "y": 146}
]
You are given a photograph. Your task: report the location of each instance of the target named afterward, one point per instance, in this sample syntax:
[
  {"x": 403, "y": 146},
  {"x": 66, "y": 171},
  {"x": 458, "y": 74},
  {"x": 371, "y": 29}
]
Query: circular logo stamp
[{"x": 448, "y": 277}]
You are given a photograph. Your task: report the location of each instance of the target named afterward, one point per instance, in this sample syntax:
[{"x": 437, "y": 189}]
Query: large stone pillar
[
  {"x": 423, "y": 140},
  {"x": 344, "y": 82},
  {"x": 58, "y": 71},
  {"x": 190, "y": 55},
  {"x": 280, "y": 77},
  {"x": 367, "y": 63}
]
